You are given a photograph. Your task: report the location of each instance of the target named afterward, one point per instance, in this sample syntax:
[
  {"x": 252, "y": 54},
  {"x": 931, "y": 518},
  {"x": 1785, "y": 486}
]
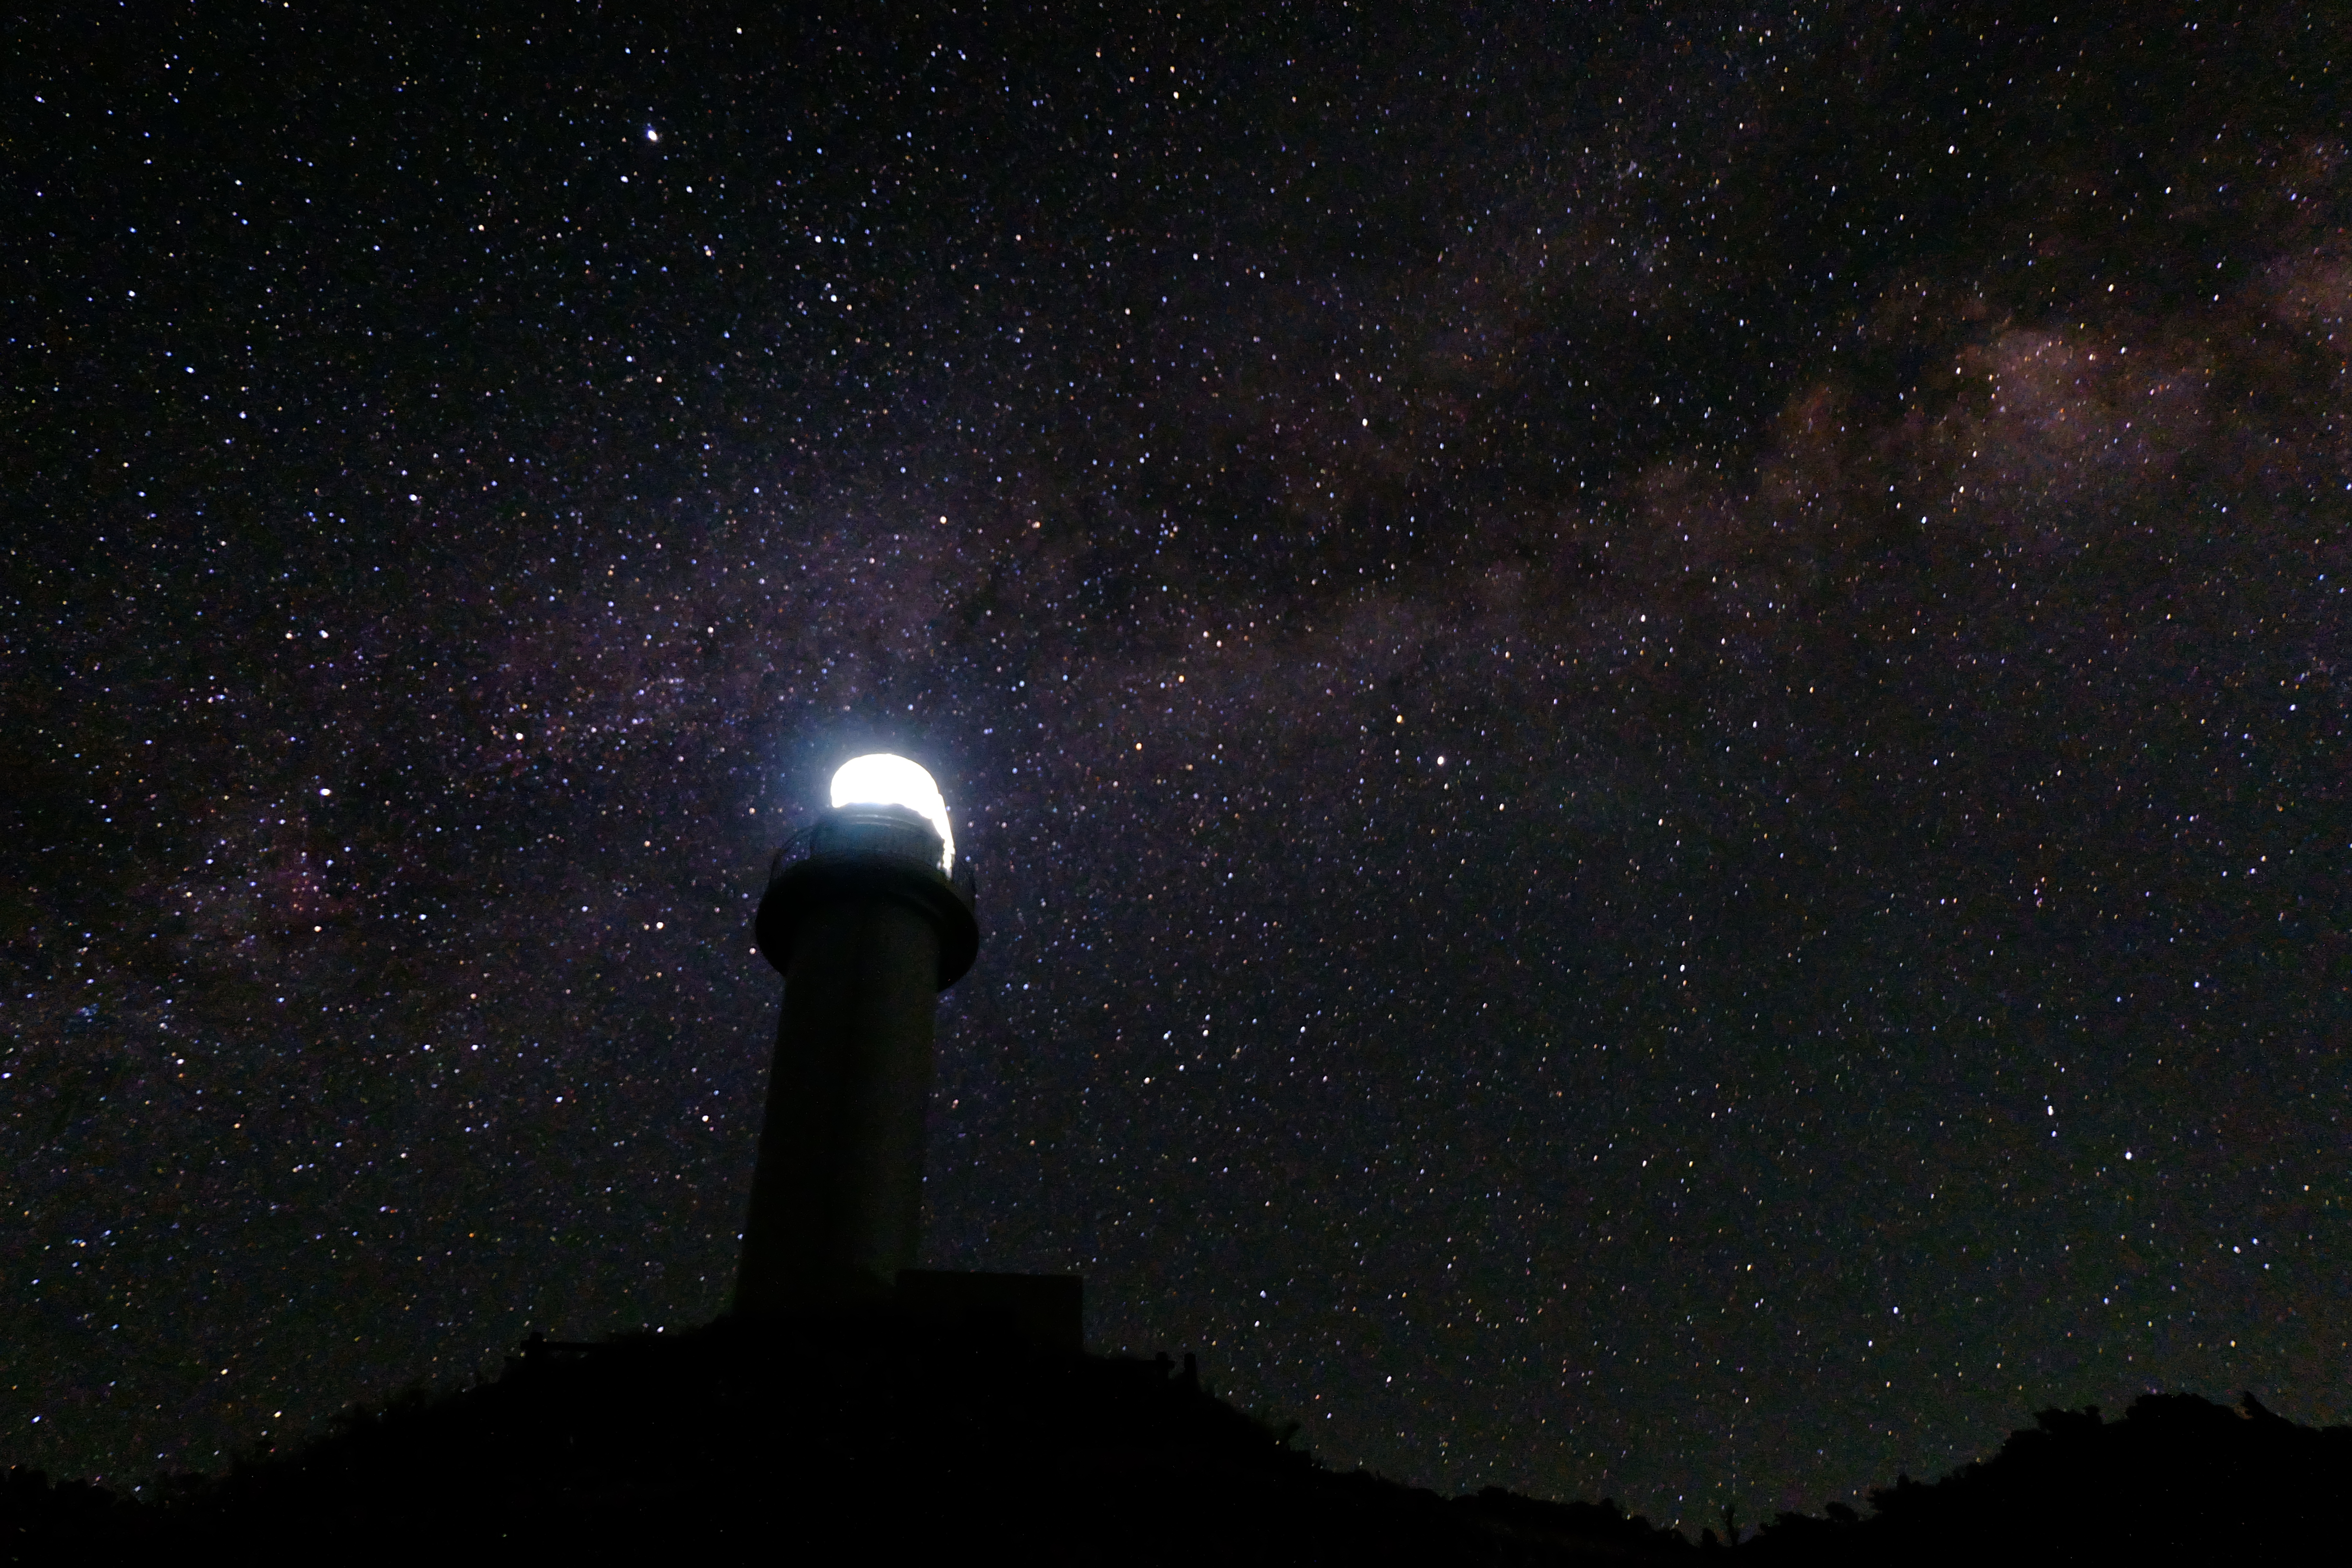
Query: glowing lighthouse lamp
[
  {"x": 864, "y": 923},
  {"x": 882, "y": 779}
]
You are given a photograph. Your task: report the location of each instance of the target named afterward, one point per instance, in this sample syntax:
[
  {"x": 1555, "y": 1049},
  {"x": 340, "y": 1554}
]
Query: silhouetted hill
[
  {"x": 899, "y": 1441},
  {"x": 2176, "y": 1474},
  {"x": 893, "y": 1441}
]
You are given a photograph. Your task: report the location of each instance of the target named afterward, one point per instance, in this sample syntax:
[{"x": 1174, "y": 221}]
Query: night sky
[{"x": 1650, "y": 701}]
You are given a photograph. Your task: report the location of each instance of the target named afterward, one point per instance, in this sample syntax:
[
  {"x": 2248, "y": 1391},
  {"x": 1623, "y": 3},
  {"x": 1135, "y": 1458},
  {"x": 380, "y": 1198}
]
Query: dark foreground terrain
[
  {"x": 2176, "y": 1474},
  {"x": 901, "y": 1442}
]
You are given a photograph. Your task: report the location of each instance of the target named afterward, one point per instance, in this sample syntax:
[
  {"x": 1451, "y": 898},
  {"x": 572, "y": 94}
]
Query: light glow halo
[{"x": 881, "y": 779}]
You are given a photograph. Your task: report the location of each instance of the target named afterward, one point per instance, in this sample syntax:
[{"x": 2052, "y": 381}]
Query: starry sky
[{"x": 1649, "y": 699}]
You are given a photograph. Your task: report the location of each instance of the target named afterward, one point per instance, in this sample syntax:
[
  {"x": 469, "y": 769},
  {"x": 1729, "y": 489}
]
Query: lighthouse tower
[{"x": 868, "y": 918}]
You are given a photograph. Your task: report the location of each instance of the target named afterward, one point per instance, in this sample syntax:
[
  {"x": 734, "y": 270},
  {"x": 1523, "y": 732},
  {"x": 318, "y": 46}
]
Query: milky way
[{"x": 1649, "y": 703}]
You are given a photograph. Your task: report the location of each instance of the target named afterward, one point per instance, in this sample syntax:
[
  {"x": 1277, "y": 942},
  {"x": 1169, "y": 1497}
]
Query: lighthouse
[{"x": 869, "y": 916}]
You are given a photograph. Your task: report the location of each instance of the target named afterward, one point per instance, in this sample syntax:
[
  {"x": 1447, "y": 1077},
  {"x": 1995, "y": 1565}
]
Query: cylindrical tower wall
[{"x": 837, "y": 1199}]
